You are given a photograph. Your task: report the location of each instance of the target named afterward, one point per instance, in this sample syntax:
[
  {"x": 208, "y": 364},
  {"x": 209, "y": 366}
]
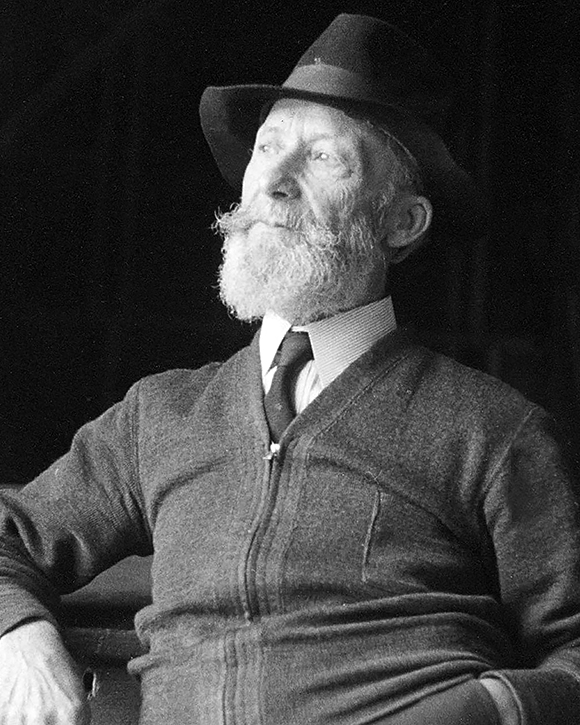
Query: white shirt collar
[{"x": 337, "y": 341}]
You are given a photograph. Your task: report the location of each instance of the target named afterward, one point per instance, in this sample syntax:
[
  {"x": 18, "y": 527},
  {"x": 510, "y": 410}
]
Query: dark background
[{"x": 107, "y": 193}]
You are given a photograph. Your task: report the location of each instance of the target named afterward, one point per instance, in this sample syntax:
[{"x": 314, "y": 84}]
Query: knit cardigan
[{"x": 417, "y": 528}]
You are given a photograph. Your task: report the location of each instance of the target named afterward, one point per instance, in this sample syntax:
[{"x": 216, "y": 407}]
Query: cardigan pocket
[{"x": 408, "y": 550}]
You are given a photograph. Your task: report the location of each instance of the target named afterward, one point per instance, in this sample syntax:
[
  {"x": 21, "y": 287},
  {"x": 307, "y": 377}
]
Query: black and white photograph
[{"x": 289, "y": 362}]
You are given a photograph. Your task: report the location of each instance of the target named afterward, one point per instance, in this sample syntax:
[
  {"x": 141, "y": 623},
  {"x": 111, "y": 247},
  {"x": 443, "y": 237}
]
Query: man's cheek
[{"x": 250, "y": 184}]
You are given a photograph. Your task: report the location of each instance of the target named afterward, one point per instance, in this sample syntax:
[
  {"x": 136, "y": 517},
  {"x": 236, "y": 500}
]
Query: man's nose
[{"x": 280, "y": 183}]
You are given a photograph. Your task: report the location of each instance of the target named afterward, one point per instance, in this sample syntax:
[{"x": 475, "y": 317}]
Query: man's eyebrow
[
  {"x": 326, "y": 137},
  {"x": 269, "y": 129},
  {"x": 322, "y": 136},
  {"x": 338, "y": 140}
]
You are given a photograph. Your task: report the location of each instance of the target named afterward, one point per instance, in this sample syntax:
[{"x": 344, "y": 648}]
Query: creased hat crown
[{"x": 370, "y": 61}]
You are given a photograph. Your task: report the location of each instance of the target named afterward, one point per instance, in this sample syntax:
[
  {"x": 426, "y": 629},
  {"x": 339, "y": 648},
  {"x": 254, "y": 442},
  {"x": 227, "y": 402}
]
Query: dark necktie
[{"x": 294, "y": 353}]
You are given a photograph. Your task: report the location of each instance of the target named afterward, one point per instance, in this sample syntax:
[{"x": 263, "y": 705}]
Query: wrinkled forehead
[{"x": 294, "y": 113}]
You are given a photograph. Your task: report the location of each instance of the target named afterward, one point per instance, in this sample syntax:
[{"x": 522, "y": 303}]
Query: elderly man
[{"x": 346, "y": 527}]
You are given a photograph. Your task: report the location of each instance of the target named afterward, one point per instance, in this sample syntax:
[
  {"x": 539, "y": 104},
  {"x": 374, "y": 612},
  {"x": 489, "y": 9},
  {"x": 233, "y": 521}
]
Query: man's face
[
  {"x": 309, "y": 157},
  {"x": 305, "y": 240}
]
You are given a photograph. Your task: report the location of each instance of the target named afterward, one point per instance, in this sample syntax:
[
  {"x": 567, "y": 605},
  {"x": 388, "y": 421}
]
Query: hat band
[
  {"x": 333, "y": 81},
  {"x": 330, "y": 80}
]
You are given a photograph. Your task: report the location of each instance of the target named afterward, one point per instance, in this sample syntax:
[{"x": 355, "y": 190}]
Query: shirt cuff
[{"x": 504, "y": 700}]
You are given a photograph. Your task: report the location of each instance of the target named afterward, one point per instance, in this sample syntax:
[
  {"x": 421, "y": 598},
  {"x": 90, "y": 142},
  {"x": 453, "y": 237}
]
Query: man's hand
[{"x": 39, "y": 681}]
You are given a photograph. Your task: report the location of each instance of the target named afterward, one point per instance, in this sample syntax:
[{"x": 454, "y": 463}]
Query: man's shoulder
[
  {"x": 182, "y": 386},
  {"x": 452, "y": 387},
  {"x": 177, "y": 380}
]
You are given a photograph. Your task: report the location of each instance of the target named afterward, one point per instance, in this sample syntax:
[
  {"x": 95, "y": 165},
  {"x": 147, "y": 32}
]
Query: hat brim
[{"x": 231, "y": 115}]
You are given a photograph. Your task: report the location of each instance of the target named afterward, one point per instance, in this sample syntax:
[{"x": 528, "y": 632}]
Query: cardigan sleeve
[
  {"x": 80, "y": 516},
  {"x": 533, "y": 515}
]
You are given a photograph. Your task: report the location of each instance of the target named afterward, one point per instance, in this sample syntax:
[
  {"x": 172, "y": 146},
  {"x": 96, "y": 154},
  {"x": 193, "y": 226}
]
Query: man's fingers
[{"x": 40, "y": 682}]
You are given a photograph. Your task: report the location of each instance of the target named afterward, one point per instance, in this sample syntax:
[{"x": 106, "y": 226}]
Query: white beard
[{"x": 302, "y": 271}]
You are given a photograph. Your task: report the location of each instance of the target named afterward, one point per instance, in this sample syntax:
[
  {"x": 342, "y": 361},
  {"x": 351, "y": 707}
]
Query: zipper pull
[{"x": 273, "y": 452}]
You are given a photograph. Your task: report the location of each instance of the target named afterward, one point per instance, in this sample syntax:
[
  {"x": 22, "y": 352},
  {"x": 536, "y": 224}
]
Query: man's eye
[
  {"x": 265, "y": 148},
  {"x": 327, "y": 159}
]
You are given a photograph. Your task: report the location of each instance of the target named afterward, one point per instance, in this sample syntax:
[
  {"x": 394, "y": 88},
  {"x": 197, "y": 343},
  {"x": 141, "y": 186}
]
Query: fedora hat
[{"x": 369, "y": 69}]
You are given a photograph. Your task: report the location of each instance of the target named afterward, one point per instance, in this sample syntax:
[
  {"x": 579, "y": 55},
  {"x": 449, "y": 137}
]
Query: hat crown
[{"x": 368, "y": 59}]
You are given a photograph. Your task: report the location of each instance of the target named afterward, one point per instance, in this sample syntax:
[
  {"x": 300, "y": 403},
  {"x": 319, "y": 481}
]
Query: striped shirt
[{"x": 336, "y": 343}]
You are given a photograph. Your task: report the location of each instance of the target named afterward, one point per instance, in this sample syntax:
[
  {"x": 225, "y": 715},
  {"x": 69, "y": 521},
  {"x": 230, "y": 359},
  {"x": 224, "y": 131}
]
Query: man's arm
[
  {"x": 76, "y": 519},
  {"x": 40, "y": 681},
  {"x": 532, "y": 510}
]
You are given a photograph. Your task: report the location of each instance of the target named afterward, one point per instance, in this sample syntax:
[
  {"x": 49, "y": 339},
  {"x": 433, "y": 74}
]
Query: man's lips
[{"x": 274, "y": 225}]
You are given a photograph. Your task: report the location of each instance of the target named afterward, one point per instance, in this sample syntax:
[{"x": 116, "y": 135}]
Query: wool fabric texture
[{"x": 418, "y": 529}]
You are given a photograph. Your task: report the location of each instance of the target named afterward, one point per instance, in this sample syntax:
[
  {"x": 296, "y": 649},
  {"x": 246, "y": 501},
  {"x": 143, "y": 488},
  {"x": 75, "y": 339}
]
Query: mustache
[{"x": 242, "y": 219}]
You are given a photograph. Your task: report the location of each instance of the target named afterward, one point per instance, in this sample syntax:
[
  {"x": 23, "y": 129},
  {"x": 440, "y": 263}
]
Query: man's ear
[{"x": 410, "y": 220}]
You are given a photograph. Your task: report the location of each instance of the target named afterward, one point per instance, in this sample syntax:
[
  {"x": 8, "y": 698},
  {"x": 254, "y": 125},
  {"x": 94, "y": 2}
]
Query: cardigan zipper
[
  {"x": 261, "y": 521},
  {"x": 273, "y": 452}
]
